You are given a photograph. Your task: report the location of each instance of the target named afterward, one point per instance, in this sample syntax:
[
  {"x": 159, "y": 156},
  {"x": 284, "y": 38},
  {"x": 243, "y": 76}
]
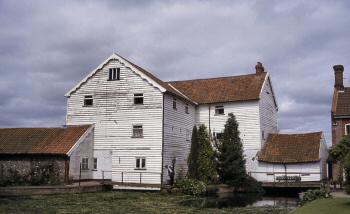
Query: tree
[
  {"x": 201, "y": 160},
  {"x": 193, "y": 156},
  {"x": 341, "y": 153},
  {"x": 231, "y": 162}
]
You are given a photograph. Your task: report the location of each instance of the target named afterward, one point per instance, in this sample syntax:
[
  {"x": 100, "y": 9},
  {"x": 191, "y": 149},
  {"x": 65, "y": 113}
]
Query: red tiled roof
[
  {"x": 222, "y": 89},
  {"x": 40, "y": 140},
  {"x": 291, "y": 148},
  {"x": 341, "y": 102}
]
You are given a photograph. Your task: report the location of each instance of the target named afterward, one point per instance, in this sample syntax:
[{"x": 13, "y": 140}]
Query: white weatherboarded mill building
[{"x": 142, "y": 125}]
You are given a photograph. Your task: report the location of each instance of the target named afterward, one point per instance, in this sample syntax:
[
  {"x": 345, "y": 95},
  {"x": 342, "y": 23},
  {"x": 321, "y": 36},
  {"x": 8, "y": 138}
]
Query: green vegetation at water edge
[{"x": 326, "y": 206}]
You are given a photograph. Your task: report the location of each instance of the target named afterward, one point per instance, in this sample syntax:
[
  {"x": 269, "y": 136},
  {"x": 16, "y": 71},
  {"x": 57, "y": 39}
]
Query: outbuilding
[{"x": 31, "y": 155}]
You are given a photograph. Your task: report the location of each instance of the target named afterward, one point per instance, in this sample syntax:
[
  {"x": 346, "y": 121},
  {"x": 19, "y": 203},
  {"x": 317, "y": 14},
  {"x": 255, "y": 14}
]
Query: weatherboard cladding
[
  {"x": 292, "y": 148},
  {"x": 50, "y": 141}
]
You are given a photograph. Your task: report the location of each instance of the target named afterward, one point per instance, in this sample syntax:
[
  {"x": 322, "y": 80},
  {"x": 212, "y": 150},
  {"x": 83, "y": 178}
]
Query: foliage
[
  {"x": 251, "y": 185},
  {"x": 325, "y": 206},
  {"x": 314, "y": 194},
  {"x": 193, "y": 156},
  {"x": 39, "y": 174},
  {"x": 201, "y": 160},
  {"x": 341, "y": 153},
  {"x": 192, "y": 187},
  {"x": 231, "y": 162}
]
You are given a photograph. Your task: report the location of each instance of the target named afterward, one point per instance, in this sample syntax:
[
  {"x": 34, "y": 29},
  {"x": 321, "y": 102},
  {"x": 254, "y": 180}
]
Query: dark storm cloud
[{"x": 46, "y": 47}]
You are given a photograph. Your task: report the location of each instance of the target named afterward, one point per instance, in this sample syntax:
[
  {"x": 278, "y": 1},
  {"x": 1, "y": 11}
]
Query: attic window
[
  {"x": 114, "y": 74},
  {"x": 174, "y": 104},
  {"x": 219, "y": 110},
  {"x": 186, "y": 109},
  {"x": 138, "y": 99},
  {"x": 88, "y": 101}
]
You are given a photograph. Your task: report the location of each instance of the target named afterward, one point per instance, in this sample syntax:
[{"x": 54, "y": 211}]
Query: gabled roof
[
  {"x": 291, "y": 148},
  {"x": 223, "y": 89},
  {"x": 341, "y": 102},
  {"x": 50, "y": 141},
  {"x": 162, "y": 86}
]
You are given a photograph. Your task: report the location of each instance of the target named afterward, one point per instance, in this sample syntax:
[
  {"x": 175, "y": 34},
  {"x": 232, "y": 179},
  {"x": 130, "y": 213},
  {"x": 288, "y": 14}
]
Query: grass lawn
[
  {"x": 326, "y": 206},
  {"x": 116, "y": 202}
]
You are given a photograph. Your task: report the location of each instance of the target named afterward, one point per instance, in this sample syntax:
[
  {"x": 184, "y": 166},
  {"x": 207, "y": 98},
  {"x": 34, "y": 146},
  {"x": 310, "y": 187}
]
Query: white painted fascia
[
  {"x": 123, "y": 61},
  {"x": 80, "y": 140}
]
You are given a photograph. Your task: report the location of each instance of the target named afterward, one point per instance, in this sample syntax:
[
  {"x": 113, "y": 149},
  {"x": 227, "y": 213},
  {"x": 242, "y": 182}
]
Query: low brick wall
[{"x": 22, "y": 165}]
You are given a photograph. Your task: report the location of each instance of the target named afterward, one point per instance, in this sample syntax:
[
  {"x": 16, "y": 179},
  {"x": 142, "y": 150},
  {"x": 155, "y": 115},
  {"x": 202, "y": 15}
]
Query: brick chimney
[
  {"x": 259, "y": 68},
  {"x": 338, "y": 74}
]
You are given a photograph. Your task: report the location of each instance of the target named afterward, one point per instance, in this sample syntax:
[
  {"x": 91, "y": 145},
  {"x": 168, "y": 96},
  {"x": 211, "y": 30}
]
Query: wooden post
[
  {"x": 103, "y": 177},
  {"x": 122, "y": 177},
  {"x": 79, "y": 174},
  {"x": 140, "y": 177}
]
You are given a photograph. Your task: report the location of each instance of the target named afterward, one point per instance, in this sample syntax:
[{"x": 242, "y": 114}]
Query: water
[{"x": 228, "y": 199}]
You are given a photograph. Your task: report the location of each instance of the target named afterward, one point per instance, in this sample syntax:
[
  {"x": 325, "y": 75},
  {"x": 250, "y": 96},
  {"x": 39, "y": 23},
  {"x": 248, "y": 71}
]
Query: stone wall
[{"x": 23, "y": 166}]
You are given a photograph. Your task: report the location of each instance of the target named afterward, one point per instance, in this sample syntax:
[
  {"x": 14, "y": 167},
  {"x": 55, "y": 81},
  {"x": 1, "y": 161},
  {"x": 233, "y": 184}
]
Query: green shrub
[
  {"x": 314, "y": 194},
  {"x": 251, "y": 185},
  {"x": 192, "y": 187}
]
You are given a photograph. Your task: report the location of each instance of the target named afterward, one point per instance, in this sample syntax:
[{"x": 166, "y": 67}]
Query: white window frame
[
  {"x": 141, "y": 161},
  {"x": 138, "y": 96},
  {"x": 218, "y": 108},
  {"x": 86, "y": 98},
  {"x": 85, "y": 163},
  {"x": 113, "y": 74},
  {"x": 139, "y": 128},
  {"x": 188, "y": 135},
  {"x": 346, "y": 130}
]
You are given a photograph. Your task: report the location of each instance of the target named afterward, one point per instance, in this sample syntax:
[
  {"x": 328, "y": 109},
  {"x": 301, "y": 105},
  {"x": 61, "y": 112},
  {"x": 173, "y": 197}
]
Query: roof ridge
[{"x": 223, "y": 77}]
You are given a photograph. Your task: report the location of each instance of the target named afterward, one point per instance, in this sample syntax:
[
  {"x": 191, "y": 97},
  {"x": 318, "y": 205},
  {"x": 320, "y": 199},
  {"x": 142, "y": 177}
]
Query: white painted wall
[
  {"x": 247, "y": 116},
  {"x": 267, "y": 111},
  {"x": 114, "y": 114},
  {"x": 178, "y": 127}
]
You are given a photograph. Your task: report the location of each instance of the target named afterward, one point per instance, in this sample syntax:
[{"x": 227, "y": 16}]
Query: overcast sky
[{"x": 46, "y": 47}]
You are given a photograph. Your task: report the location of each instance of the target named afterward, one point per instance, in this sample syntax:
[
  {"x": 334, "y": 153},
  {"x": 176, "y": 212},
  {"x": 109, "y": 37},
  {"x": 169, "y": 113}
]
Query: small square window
[
  {"x": 138, "y": 99},
  {"x": 114, "y": 74},
  {"x": 186, "y": 109},
  {"x": 85, "y": 163},
  {"x": 137, "y": 131},
  {"x": 219, "y": 136},
  {"x": 88, "y": 101},
  {"x": 188, "y": 135},
  {"x": 174, "y": 104},
  {"x": 95, "y": 163},
  {"x": 140, "y": 163},
  {"x": 219, "y": 110},
  {"x": 347, "y": 129}
]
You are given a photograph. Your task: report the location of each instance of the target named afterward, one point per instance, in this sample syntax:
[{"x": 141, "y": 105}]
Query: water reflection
[{"x": 242, "y": 200}]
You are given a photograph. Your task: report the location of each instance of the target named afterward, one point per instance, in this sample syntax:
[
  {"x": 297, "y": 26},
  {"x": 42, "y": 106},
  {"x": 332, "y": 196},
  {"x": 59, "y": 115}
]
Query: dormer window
[
  {"x": 114, "y": 74},
  {"x": 219, "y": 110},
  {"x": 88, "y": 101}
]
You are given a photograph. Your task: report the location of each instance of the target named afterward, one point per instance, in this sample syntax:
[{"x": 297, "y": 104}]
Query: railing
[
  {"x": 141, "y": 176},
  {"x": 287, "y": 177}
]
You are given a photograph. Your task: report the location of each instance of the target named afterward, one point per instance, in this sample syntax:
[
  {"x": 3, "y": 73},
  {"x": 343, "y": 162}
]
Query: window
[
  {"x": 85, "y": 163},
  {"x": 137, "y": 131},
  {"x": 138, "y": 99},
  {"x": 187, "y": 135},
  {"x": 186, "y": 109},
  {"x": 219, "y": 136},
  {"x": 219, "y": 110},
  {"x": 174, "y": 104},
  {"x": 95, "y": 163},
  {"x": 140, "y": 163},
  {"x": 347, "y": 129},
  {"x": 88, "y": 100},
  {"x": 114, "y": 74}
]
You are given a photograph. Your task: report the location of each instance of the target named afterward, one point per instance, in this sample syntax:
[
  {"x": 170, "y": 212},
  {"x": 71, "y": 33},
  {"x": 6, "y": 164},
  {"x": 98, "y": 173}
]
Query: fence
[
  {"x": 287, "y": 177},
  {"x": 136, "y": 177}
]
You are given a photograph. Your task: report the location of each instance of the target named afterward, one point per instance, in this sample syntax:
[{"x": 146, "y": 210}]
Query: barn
[{"x": 28, "y": 154}]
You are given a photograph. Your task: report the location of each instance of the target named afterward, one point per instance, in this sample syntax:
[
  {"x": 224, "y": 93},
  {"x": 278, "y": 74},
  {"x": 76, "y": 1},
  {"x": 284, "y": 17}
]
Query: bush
[
  {"x": 192, "y": 187},
  {"x": 251, "y": 185},
  {"x": 314, "y": 194}
]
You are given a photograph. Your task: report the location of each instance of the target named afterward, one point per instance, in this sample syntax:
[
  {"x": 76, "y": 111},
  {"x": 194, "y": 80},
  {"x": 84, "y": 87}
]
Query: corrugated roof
[
  {"x": 40, "y": 140},
  {"x": 291, "y": 148},
  {"x": 222, "y": 89},
  {"x": 341, "y": 102}
]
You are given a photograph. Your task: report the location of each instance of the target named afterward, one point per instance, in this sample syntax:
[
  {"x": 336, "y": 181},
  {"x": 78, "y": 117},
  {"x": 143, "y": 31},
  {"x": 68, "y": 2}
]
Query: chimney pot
[
  {"x": 259, "y": 68},
  {"x": 338, "y": 74}
]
